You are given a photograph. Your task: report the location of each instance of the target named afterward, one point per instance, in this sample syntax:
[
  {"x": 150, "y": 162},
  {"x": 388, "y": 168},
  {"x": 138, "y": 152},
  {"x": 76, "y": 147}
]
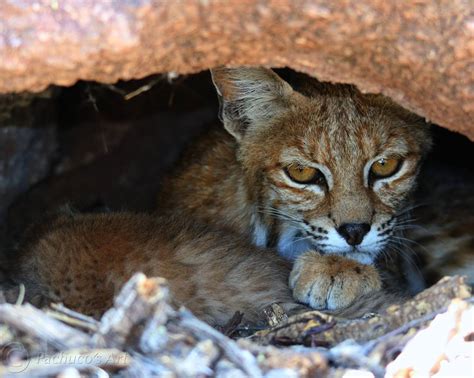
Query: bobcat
[{"x": 294, "y": 202}]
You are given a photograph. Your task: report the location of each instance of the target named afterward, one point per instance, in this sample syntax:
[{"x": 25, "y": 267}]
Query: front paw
[{"x": 331, "y": 282}]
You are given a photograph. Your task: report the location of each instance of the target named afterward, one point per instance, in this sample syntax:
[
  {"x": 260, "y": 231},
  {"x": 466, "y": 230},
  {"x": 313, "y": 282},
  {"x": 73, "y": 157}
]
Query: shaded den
[{"x": 98, "y": 104}]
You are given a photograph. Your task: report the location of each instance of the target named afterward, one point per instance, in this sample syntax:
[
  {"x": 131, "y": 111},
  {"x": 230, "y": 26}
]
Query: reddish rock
[{"x": 417, "y": 52}]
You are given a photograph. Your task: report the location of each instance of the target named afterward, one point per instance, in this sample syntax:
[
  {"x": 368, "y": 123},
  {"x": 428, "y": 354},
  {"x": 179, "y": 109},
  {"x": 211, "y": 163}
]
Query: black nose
[{"x": 354, "y": 232}]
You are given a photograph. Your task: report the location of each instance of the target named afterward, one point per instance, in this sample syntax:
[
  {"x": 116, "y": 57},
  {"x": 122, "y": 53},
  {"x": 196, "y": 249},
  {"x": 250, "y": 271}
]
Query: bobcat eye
[
  {"x": 305, "y": 175},
  {"x": 385, "y": 167}
]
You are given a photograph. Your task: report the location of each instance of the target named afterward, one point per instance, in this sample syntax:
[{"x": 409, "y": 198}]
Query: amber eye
[
  {"x": 385, "y": 167},
  {"x": 304, "y": 175}
]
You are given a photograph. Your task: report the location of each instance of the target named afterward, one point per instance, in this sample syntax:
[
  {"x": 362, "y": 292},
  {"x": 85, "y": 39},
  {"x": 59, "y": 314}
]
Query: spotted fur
[
  {"x": 228, "y": 209},
  {"x": 238, "y": 181}
]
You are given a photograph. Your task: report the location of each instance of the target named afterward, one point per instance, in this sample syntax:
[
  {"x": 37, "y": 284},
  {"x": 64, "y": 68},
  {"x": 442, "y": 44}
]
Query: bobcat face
[
  {"x": 327, "y": 168},
  {"x": 339, "y": 188}
]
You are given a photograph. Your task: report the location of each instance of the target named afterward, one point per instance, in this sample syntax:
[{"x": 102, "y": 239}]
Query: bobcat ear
[{"x": 249, "y": 97}]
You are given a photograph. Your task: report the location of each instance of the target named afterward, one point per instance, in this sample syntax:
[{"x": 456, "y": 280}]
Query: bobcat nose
[{"x": 353, "y": 232}]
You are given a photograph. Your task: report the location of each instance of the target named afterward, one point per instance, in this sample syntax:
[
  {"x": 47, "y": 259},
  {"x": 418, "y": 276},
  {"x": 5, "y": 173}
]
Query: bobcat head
[{"x": 326, "y": 167}]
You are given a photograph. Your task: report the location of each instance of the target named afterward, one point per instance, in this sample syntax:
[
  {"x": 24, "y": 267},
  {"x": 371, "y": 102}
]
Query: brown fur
[
  {"x": 230, "y": 192},
  {"x": 333, "y": 125},
  {"x": 82, "y": 260}
]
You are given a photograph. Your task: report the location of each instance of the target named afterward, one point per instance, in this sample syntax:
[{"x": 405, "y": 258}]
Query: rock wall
[
  {"x": 417, "y": 51},
  {"x": 27, "y": 144}
]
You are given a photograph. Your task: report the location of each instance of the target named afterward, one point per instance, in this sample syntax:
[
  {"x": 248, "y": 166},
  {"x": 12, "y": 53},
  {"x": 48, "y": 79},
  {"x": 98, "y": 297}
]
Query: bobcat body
[{"x": 305, "y": 190}]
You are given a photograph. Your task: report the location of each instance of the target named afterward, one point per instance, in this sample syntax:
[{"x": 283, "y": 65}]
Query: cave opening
[{"x": 99, "y": 147}]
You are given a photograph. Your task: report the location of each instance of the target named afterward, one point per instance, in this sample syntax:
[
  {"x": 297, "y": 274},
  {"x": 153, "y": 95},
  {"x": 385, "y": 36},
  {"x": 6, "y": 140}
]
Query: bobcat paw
[{"x": 331, "y": 282}]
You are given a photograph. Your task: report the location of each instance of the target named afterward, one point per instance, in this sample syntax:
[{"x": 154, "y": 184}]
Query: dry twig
[{"x": 160, "y": 341}]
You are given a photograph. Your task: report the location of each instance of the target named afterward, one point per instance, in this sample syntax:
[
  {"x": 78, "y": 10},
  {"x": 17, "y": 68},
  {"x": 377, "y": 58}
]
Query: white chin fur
[
  {"x": 290, "y": 250},
  {"x": 362, "y": 258},
  {"x": 364, "y": 253}
]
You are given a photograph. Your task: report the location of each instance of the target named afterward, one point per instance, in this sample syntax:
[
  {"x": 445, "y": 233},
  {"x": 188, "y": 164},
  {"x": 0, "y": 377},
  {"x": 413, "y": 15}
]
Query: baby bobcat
[{"x": 304, "y": 191}]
